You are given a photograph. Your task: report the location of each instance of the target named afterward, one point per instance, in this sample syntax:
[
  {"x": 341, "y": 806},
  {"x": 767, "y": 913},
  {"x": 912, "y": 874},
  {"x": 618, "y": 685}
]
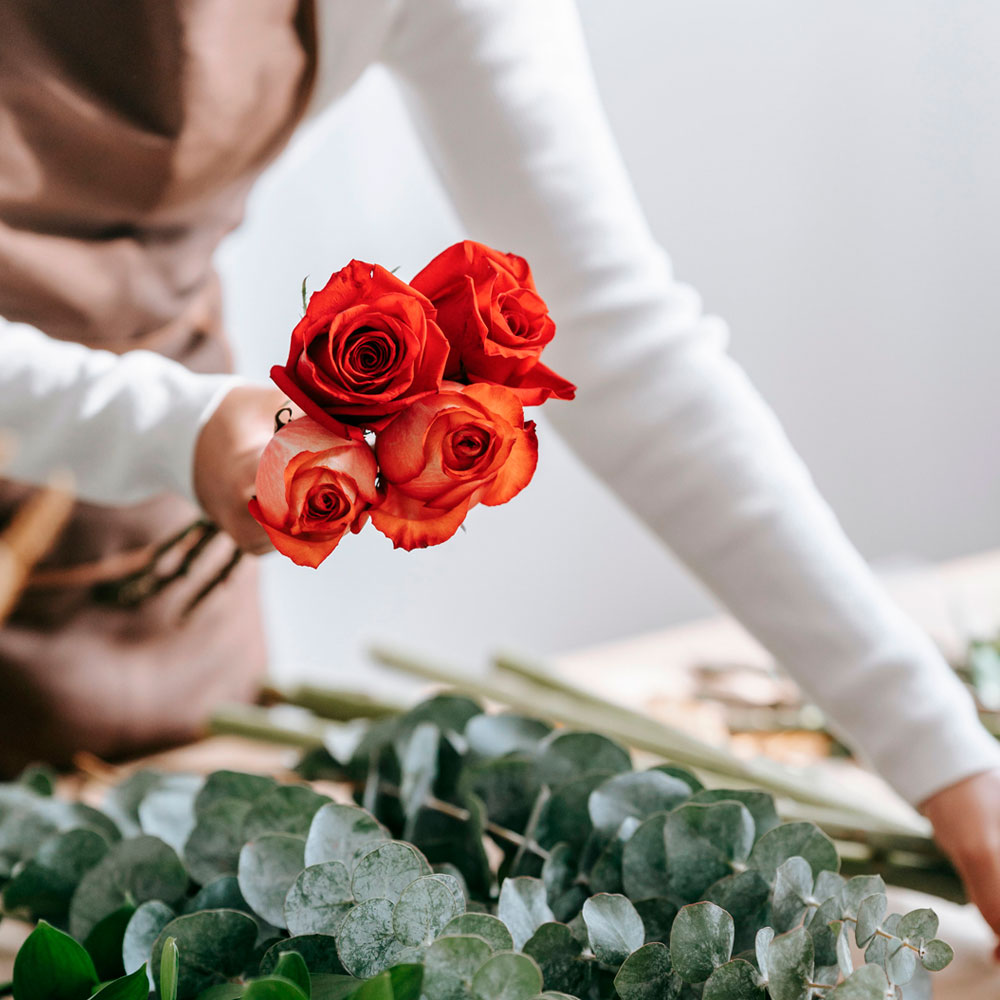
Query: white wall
[{"x": 824, "y": 173}]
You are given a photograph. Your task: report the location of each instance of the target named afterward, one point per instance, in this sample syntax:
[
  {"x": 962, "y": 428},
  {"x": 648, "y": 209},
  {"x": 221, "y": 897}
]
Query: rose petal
[
  {"x": 412, "y": 525},
  {"x": 302, "y": 551}
]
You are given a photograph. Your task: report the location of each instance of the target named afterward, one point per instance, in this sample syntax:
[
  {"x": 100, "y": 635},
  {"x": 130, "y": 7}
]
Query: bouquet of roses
[{"x": 414, "y": 399}]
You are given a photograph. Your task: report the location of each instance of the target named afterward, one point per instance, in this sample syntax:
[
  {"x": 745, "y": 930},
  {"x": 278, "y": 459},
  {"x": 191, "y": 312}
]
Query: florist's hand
[
  {"x": 225, "y": 461},
  {"x": 966, "y": 820}
]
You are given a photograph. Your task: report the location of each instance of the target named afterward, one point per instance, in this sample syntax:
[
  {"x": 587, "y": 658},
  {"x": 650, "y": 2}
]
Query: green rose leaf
[
  {"x": 804, "y": 840},
  {"x": 634, "y": 795},
  {"x": 736, "y": 980},
  {"x": 523, "y": 907},
  {"x": 213, "y": 945},
  {"x": 790, "y": 966},
  {"x": 319, "y": 899},
  {"x": 366, "y": 941},
  {"x": 507, "y": 976},
  {"x": 386, "y": 870},
  {"x": 705, "y": 843},
  {"x": 565, "y": 756},
  {"x": 423, "y": 911},
  {"x": 614, "y": 928},
  {"x": 143, "y": 929},
  {"x": 499, "y": 735},
  {"x": 491, "y": 929},
  {"x": 342, "y": 833},
  {"x": 133, "y": 871},
  {"x": 646, "y": 974},
  {"x": 134, "y": 986},
  {"x": 267, "y": 870},
  {"x": 701, "y": 941},
  {"x": 52, "y": 966},
  {"x": 284, "y": 809}
]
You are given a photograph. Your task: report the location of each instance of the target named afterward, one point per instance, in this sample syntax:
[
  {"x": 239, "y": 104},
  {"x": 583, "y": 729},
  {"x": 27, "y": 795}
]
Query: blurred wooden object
[{"x": 30, "y": 534}]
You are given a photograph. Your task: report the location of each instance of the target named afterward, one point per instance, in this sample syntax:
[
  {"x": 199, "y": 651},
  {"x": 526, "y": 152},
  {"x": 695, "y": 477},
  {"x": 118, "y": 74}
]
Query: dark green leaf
[
  {"x": 565, "y": 756},
  {"x": 614, "y": 927},
  {"x": 52, "y": 966},
  {"x": 701, "y": 941},
  {"x": 450, "y": 964},
  {"x": 104, "y": 942},
  {"x": 745, "y": 896},
  {"x": 291, "y": 965},
  {"x": 557, "y": 953},
  {"x": 790, "y": 966},
  {"x": 491, "y": 929},
  {"x": 644, "y": 860},
  {"x": 272, "y": 988},
  {"x": 736, "y": 980},
  {"x": 634, "y": 795},
  {"x": 134, "y": 986},
  {"x": 319, "y": 951},
  {"x": 705, "y": 843},
  {"x": 760, "y": 805},
  {"x": 565, "y": 817},
  {"x": 230, "y": 785},
  {"x": 507, "y": 976},
  {"x": 212, "y": 850},
  {"x": 342, "y": 833},
  {"x": 284, "y": 809},
  {"x": 645, "y": 974},
  {"x": 523, "y": 907},
  {"x": 806, "y": 840}
]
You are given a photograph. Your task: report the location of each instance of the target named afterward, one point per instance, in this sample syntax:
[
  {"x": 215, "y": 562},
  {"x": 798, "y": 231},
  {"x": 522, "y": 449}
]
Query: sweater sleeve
[
  {"x": 124, "y": 425},
  {"x": 503, "y": 96}
]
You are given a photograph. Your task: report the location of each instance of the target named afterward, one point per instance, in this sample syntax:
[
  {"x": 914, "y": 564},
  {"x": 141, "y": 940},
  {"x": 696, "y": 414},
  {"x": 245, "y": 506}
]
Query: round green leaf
[
  {"x": 450, "y": 964},
  {"x": 507, "y": 976},
  {"x": 491, "y": 929},
  {"x": 386, "y": 870},
  {"x": 736, "y": 980},
  {"x": 634, "y": 795},
  {"x": 143, "y": 929},
  {"x": 867, "y": 983},
  {"x": 50, "y": 965},
  {"x": 423, "y": 911},
  {"x": 284, "y": 809},
  {"x": 644, "y": 860},
  {"x": 805, "y": 840},
  {"x": 918, "y": 926},
  {"x": 212, "y": 945},
  {"x": 614, "y": 928},
  {"x": 936, "y": 955},
  {"x": 508, "y": 788},
  {"x": 871, "y": 912},
  {"x": 133, "y": 871},
  {"x": 220, "y": 894},
  {"x": 565, "y": 756},
  {"x": 212, "y": 849},
  {"x": 557, "y": 953},
  {"x": 318, "y": 951},
  {"x": 746, "y": 897},
  {"x": 645, "y": 974},
  {"x": 44, "y": 886},
  {"x": 565, "y": 817},
  {"x": 498, "y": 735},
  {"x": 705, "y": 843},
  {"x": 319, "y": 899},
  {"x": 701, "y": 940},
  {"x": 268, "y": 867},
  {"x": 342, "y": 833},
  {"x": 760, "y": 805},
  {"x": 231, "y": 785},
  {"x": 523, "y": 906},
  {"x": 366, "y": 941},
  {"x": 790, "y": 966},
  {"x": 793, "y": 884}
]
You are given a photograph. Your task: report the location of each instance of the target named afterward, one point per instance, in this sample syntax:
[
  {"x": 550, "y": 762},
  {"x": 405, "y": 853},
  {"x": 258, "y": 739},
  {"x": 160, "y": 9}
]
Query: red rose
[
  {"x": 444, "y": 454},
  {"x": 365, "y": 349},
  {"x": 494, "y": 319},
  {"x": 313, "y": 486}
]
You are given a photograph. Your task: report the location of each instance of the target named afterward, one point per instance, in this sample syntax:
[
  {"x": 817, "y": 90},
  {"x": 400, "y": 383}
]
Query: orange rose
[
  {"x": 494, "y": 319},
  {"x": 446, "y": 453},
  {"x": 313, "y": 486},
  {"x": 365, "y": 349}
]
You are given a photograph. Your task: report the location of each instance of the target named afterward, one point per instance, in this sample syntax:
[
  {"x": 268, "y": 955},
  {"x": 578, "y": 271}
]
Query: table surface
[{"x": 654, "y": 672}]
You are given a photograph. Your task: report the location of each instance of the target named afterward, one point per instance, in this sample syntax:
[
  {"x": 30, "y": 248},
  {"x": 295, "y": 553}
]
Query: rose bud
[
  {"x": 313, "y": 486},
  {"x": 494, "y": 319},
  {"x": 365, "y": 349},
  {"x": 446, "y": 453}
]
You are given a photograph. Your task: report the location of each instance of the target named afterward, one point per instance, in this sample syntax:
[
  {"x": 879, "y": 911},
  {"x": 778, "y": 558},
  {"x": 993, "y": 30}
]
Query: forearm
[{"x": 124, "y": 425}]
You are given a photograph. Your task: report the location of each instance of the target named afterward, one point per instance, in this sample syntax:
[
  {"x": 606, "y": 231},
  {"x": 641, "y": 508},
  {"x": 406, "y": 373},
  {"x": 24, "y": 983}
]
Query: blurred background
[{"x": 823, "y": 173}]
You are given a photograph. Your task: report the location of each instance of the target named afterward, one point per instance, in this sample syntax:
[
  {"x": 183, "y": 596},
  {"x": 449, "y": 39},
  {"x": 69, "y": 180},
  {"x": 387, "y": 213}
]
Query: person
[{"x": 129, "y": 138}]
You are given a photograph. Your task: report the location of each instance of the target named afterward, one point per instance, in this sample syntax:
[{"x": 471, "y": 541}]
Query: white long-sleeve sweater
[{"x": 502, "y": 94}]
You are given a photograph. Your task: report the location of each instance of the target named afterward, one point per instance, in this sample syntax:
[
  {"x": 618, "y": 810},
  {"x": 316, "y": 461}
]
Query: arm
[
  {"x": 131, "y": 426},
  {"x": 502, "y": 93}
]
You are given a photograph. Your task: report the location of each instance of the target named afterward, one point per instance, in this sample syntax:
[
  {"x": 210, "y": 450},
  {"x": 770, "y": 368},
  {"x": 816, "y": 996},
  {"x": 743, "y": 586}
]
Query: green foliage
[{"x": 606, "y": 883}]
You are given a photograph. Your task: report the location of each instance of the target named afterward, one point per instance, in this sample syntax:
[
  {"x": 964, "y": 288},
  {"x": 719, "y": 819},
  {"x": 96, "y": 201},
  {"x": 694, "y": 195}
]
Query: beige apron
[{"x": 130, "y": 135}]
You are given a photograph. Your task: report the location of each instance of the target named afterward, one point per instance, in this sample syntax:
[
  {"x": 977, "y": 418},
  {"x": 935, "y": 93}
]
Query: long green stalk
[{"x": 527, "y": 689}]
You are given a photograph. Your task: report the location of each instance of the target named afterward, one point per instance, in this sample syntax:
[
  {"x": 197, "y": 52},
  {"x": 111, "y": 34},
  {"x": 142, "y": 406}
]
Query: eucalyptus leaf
[
  {"x": 790, "y": 966},
  {"x": 736, "y": 980},
  {"x": 705, "y": 843},
  {"x": 499, "y": 735},
  {"x": 793, "y": 885},
  {"x": 557, "y": 953},
  {"x": 564, "y": 756},
  {"x": 319, "y": 899},
  {"x": 507, "y": 976},
  {"x": 284, "y": 809},
  {"x": 745, "y": 896},
  {"x": 936, "y": 955},
  {"x": 366, "y": 942},
  {"x": 701, "y": 941},
  {"x": 386, "y": 870},
  {"x": 646, "y": 974},
  {"x": 523, "y": 906},
  {"x": 267, "y": 870},
  {"x": 450, "y": 965},
  {"x": 143, "y": 929},
  {"x": 871, "y": 912},
  {"x": 644, "y": 860},
  {"x": 318, "y": 951},
  {"x": 424, "y": 910},
  {"x": 565, "y": 816},
  {"x": 212, "y": 849},
  {"x": 633, "y": 795},
  {"x": 167, "y": 810},
  {"x": 918, "y": 926},
  {"x": 231, "y": 785},
  {"x": 867, "y": 983},
  {"x": 491, "y": 929},
  {"x": 805, "y": 840},
  {"x": 342, "y": 833},
  {"x": 614, "y": 927}
]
